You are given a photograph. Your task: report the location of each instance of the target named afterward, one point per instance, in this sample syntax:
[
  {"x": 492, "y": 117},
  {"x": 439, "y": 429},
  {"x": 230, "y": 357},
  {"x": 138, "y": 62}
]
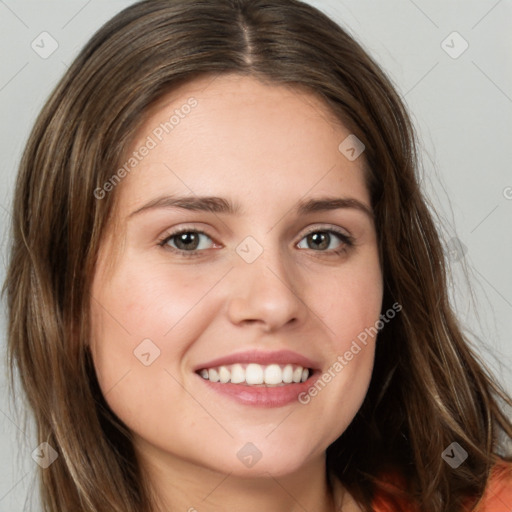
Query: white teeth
[
  {"x": 288, "y": 374},
  {"x": 297, "y": 374},
  {"x": 273, "y": 374},
  {"x": 255, "y": 374},
  {"x": 224, "y": 374},
  {"x": 237, "y": 374}
]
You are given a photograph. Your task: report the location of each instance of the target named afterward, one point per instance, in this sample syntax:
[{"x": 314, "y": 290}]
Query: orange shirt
[{"x": 497, "y": 496}]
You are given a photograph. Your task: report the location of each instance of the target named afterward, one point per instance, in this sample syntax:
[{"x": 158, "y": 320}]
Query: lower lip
[{"x": 262, "y": 396}]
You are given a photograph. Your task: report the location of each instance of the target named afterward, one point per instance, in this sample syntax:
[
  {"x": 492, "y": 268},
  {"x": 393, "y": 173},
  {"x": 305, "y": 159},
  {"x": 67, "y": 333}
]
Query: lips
[
  {"x": 267, "y": 379},
  {"x": 280, "y": 357}
]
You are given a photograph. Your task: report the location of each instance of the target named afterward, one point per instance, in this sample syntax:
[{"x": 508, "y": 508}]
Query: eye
[
  {"x": 186, "y": 240},
  {"x": 322, "y": 240},
  {"x": 191, "y": 242}
]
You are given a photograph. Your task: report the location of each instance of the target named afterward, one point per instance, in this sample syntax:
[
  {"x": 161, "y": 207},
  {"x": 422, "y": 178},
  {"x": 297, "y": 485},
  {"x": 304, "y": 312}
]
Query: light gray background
[{"x": 462, "y": 108}]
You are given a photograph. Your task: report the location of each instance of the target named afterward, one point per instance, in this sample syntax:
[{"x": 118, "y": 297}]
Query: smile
[{"x": 254, "y": 374}]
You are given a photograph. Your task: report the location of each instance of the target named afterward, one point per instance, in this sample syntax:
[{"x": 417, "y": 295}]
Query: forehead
[{"x": 234, "y": 134}]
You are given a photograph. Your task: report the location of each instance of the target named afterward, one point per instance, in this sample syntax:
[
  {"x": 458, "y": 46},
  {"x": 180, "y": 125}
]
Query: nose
[{"x": 264, "y": 292}]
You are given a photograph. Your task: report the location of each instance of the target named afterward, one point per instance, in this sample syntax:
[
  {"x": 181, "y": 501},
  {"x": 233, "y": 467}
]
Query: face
[{"x": 244, "y": 259}]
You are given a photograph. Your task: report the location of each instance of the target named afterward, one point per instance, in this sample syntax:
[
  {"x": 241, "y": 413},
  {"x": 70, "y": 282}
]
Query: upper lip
[{"x": 261, "y": 357}]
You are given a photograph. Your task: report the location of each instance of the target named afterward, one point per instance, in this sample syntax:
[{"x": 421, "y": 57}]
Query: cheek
[
  {"x": 351, "y": 301},
  {"x": 146, "y": 301},
  {"x": 144, "y": 320},
  {"x": 350, "y": 310}
]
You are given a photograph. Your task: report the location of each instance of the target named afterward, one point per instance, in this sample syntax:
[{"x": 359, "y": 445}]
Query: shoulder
[
  {"x": 390, "y": 496},
  {"x": 498, "y": 494}
]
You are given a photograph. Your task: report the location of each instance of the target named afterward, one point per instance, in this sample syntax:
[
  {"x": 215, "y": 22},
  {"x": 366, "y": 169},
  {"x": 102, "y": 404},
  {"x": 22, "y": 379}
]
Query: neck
[{"x": 181, "y": 485}]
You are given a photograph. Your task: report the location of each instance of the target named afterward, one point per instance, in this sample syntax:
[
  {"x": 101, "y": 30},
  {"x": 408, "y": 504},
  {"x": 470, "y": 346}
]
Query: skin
[{"x": 265, "y": 146}]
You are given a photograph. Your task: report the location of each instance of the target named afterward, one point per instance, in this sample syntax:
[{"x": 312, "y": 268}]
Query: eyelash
[{"x": 347, "y": 242}]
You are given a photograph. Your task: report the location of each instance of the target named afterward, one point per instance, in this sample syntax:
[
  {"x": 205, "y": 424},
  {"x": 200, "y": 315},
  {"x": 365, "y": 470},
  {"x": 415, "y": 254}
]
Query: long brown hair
[{"x": 429, "y": 388}]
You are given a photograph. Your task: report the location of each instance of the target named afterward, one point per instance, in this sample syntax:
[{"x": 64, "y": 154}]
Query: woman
[{"x": 226, "y": 291}]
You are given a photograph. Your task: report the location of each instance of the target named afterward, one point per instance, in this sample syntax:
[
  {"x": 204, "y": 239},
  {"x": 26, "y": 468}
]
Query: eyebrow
[{"x": 216, "y": 204}]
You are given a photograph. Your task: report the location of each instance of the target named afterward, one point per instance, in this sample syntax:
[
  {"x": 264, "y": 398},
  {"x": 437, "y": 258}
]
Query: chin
[
  {"x": 271, "y": 467},
  {"x": 262, "y": 458}
]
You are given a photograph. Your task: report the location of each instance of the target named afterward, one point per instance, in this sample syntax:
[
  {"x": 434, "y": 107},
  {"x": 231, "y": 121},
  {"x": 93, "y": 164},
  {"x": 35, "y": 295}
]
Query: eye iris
[
  {"x": 321, "y": 238},
  {"x": 184, "y": 240}
]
